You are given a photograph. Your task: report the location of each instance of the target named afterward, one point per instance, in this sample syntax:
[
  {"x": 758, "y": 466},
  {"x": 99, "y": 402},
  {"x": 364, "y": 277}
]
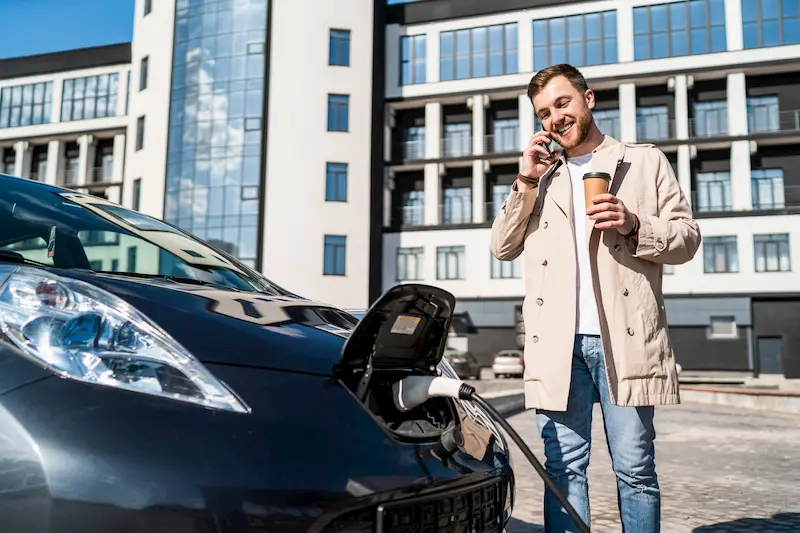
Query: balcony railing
[
  {"x": 503, "y": 140},
  {"x": 457, "y": 211},
  {"x": 709, "y": 124},
  {"x": 766, "y": 119},
  {"x": 457, "y": 145},
  {"x": 411, "y": 150},
  {"x": 651, "y": 128},
  {"x": 762, "y": 199}
]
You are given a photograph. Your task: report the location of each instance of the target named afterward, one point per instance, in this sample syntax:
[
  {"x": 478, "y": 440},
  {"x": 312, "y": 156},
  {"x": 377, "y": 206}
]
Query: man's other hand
[{"x": 609, "y": 212}]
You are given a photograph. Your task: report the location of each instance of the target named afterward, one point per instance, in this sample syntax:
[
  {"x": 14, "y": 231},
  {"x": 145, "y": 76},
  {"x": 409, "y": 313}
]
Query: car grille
[{"x": 477, "y": 509}]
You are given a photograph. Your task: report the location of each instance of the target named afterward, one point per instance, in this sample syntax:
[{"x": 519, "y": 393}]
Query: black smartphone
[{"x": 552, "y": 146}]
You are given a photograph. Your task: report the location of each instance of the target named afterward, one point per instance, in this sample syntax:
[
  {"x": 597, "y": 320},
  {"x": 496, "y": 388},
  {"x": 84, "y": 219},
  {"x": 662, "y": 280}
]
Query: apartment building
[
  {"x": 245, "y": 122},
  {"x": 713, "y": 83}
]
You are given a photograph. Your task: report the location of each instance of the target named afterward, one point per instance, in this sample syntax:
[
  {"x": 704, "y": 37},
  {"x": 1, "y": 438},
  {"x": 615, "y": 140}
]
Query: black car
[
  {"x": 150, "y": 382},
  {"x": 464, "y": 363}
]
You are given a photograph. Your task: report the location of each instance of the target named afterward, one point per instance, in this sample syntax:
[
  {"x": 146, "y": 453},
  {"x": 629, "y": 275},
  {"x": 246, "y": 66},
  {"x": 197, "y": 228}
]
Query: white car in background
[{"x": 508, "y": 363}]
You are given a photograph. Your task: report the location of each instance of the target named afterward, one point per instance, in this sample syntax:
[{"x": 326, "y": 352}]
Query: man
[{"x": 595, "y": 324}]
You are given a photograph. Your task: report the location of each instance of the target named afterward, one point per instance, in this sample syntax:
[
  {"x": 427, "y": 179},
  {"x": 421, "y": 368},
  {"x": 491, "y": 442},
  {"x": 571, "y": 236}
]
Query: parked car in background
[
  {"x": 150, "y": 382},
  {"x": 508, "y": 363},
  {"x": 464, "y": 363}
]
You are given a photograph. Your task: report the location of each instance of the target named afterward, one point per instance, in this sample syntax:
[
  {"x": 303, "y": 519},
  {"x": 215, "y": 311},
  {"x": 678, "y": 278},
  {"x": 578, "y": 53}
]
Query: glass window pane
[
  {"x": 610, "y": 24},
  {"x": 677, "y": 16}
]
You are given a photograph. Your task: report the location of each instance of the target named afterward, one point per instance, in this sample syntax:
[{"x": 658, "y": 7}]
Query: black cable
[{"x": 467, "y": 392}]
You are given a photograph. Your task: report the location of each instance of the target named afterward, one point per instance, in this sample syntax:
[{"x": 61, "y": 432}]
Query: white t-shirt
[{"x": 587, "y": 322}]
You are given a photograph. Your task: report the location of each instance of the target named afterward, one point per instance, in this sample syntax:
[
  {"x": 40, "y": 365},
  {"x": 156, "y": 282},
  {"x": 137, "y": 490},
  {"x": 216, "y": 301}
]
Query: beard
[{"x": 581, "y": 126}]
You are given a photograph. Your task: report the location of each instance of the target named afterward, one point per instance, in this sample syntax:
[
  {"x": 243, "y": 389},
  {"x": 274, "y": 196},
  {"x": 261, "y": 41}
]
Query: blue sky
[{"x": 43, "y": 26}]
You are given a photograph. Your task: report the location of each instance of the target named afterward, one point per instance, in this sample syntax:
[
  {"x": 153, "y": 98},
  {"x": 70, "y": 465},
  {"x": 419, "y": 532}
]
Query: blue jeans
[{"x": 629, "y": 433}]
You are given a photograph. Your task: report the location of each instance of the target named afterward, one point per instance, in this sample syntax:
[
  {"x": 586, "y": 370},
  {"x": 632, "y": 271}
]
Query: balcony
[
  {"x": 504, "y": 140},
  {"x": 709, "y": 124},
  {"x": 457, "y": 145},
  {"x": 764, "y": 198},
  {"x": 651, "y": 128},
  {"x": 457, "y": 211},
  {"x": 767, "y": 119},
  {"x": 410, "y": 150}
]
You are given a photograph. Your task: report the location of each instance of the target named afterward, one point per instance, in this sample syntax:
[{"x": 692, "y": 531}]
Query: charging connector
[{"x": 413, "y": 391}]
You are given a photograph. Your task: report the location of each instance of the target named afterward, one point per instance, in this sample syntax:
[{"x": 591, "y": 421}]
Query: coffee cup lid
[{"x": 603, "y": 175}]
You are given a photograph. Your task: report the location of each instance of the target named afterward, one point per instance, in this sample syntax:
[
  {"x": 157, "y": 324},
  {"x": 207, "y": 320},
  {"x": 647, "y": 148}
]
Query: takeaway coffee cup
[{"x": 595, "y": 183}]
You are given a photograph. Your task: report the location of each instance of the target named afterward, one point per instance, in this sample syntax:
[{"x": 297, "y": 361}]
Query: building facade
[
  {"x": 713, "y": 83},
  {"x": 372, "y": 144}
]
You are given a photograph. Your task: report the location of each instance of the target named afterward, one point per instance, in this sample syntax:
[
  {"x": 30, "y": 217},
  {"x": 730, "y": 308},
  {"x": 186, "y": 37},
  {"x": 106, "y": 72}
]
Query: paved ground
[{"x": 720, "y": 469}]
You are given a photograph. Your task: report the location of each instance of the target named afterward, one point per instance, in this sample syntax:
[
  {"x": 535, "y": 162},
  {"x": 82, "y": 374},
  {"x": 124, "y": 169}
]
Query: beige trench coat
[{"x": 627, "y": 276}]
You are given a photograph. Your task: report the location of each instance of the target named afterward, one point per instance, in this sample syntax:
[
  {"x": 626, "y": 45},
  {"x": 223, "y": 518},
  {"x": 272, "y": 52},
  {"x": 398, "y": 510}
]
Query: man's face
[{"x": 565, "y": 112}]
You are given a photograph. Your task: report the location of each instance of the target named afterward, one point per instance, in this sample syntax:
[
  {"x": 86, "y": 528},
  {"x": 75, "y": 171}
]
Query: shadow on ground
[
  {"x": 778, "y": 522},
  {"x": 516, "y": 525}
]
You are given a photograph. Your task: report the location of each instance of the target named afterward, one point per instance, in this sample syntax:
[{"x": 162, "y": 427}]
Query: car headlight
[{"x": 82, "y": 332}]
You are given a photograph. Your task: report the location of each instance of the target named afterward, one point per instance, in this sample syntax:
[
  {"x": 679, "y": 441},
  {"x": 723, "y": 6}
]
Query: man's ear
[{"x": 589, "y": 97}]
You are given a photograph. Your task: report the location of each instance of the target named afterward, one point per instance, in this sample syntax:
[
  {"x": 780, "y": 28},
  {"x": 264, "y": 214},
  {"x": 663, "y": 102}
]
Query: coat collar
[{"x": 607, "y": 157}]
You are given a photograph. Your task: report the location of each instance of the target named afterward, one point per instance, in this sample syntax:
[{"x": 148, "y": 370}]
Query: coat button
[
  {"x": 544, "y": 262},
  {"x": 545, "y": 224},
  {"x": 625, "y": 292},
  {"x": 535, "y": 338},
  {"x": 630, "y": 332},
  {"x": 539, "y": 301},
  {"x": 617, "y": 247}
]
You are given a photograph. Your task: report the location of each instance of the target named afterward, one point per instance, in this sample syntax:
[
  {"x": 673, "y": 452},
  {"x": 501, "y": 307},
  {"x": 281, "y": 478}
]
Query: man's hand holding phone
[{"x": 536, "y": 159}]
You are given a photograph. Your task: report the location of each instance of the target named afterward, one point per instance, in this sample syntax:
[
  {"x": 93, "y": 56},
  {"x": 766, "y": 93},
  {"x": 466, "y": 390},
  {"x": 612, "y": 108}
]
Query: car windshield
[{"x": 63, "y": 229}]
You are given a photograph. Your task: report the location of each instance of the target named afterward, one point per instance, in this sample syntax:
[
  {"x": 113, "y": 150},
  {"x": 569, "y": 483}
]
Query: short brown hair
[{"x": 543, "y": 77}]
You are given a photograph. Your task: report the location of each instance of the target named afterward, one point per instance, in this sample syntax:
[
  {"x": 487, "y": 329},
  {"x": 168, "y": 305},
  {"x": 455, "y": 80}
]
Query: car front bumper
[{"x": 76, "y": 457}]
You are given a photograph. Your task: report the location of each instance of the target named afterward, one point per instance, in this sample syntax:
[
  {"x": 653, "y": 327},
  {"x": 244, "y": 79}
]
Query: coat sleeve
[
  {"x": 673, "y": 236},
  {"x": 508, "y": 227}
]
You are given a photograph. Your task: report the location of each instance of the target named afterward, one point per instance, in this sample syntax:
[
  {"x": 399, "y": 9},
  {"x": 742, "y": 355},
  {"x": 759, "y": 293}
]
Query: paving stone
[{"x": 721, "y": 469}]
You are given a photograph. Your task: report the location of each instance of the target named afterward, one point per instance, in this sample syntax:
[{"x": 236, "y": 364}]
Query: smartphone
[{"x": 552, "y": 146}]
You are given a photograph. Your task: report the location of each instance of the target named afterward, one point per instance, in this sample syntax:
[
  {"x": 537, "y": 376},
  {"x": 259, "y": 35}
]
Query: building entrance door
[{"x": 769, "y": 350}]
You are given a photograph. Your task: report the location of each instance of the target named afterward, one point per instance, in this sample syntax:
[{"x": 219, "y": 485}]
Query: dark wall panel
[
  {"x": 780, "y": 318},
  {"x": 784, "y": 85},
  {"x": 430, "y": 10},
  {"x": 694, "y": 351},
  {"x": 786, "y": 157},
  {"x": 97, "y": 56}
]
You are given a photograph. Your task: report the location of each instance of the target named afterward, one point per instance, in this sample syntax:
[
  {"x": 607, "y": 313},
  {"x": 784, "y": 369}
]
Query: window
[
  {"x": 713, "y": 191},
  {"x": 339, "y": 53},
  {"x": 450, "y": 262},
  {"x": 505, "y": 269},
  {"x": 26, "y": 105},
  {"x": 457, "y": 139},
  {"x": 148, "y": 7},
  {"x": 770, "y": 23},
  {"x": 414, "y": 145},
  {"x": 499, "y": 195},
  {"x": 767, "y": 188},
  {"x": 335, "y": 251},
  {"x": 607, "y": 121},
  {"x": 772, "y": 253},
  {"x": 89, "y": 97},
  {"x": 763, "y": 114},
  {"x": 723, "y": 327},
  {"x": 413, "y": 208},
  {"x": 409, "y": 263},
  {"x": 652, "y": 123},
  {"x": 505, "y": 135},
  {"x": 720, "y": 255},
  {"x": 710, "y": 119},
  {"x": 137, "y": 194},
  {"x": 579, "y": 40},
  {"x": 668, "y": 270},
  {"x": 132, "y": 258},
  {"x": 338, "y": 107},
  {"x": 457, "y": 207},
  {"x": 679, "y": 29},
  {"x": 336, "y": 182},
  {"x": 413, "y": 59},
  {"x": 140, "y": 133},
  {"x": 143, "y": 73},
  {"x": 478, "y": 52}
]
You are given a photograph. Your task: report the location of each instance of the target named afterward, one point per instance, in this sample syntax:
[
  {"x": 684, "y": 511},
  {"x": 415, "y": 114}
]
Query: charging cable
[{"x": 413, "y": 391}]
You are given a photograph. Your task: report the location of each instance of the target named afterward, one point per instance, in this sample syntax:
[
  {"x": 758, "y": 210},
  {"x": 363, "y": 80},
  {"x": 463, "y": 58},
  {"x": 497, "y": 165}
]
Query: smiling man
[{"x": 596, "y": 327}]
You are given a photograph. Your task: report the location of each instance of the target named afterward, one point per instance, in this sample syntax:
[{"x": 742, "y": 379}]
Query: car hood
[{"x": 406, "y": 327}]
